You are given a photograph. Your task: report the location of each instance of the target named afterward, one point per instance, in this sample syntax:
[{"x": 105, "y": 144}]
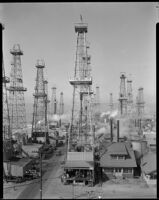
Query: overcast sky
[{"x": 122, "y": 38}]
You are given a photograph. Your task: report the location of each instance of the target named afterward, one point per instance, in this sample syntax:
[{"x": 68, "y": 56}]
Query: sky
[{"x": 122, "y": 38}]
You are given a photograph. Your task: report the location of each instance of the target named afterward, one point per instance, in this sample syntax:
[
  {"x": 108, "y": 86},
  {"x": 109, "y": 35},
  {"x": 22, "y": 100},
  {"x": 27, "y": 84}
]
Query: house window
[
  {"x": 121, "y": 157},
  {"x": 127, "y": 170},
  {"x": 114, "y": 157},
  {"x": 108, "y": 170},
  {"x": 118, "y": 170}
]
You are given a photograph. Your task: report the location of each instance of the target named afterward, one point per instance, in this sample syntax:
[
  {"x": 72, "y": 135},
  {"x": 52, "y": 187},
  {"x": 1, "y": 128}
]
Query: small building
[
  {"x": 148, "y": 168},
  {"x": 79, "y": 168},
  {"x": 118, "y": 160},
  {"x": 18, "y": 168}
]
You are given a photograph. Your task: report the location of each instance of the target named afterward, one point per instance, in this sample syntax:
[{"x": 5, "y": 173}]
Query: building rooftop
[
  {"x": 118, "y": 148},
  {"x": 80, "y": 156},
  {"x": 22, "y": 162},
  {"x": 79, "y": 164}
]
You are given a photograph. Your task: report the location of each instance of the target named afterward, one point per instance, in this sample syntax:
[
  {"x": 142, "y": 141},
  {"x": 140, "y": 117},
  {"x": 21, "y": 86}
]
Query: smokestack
[
  {"x": 117, "y": 130},
  {"x": 111, "y": 130}
]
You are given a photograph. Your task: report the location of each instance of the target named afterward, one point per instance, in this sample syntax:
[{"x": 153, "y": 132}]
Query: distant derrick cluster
[{"x": 126, "y": 104}]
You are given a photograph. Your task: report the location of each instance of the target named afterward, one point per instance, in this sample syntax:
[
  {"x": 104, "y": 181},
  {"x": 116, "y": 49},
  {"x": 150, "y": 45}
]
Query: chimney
[
  {"x": 111, "y": 130},
  {"x": 117, "y": 130}
]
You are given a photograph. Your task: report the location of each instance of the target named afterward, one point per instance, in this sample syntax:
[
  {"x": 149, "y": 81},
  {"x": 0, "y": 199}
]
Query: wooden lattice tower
[
  {"x": 140, "y": 103},
  {"x": 61, "y": 108},
  {"x": 122, "y": 96},
  {"x": 39, "y": 123},
  {"x": 81, "y": 118},
  {"x": 53, "y": 101},
  {"x": 129, "y": 96},
  {"x": 16, "y": 90},
  {"x": 6, "y": 119},
  {"x": 47, "y": 97}
]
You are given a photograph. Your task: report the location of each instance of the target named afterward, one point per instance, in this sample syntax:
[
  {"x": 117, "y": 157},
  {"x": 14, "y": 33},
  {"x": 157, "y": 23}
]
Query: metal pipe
[
  {"x": 40, "y": 174},
  {"x": 117, "y": 130},
  {"x": 111, "y": 130}
]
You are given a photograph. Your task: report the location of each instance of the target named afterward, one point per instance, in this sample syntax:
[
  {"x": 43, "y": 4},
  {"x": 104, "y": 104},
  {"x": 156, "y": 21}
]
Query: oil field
[{"x": 90, "y": 134}]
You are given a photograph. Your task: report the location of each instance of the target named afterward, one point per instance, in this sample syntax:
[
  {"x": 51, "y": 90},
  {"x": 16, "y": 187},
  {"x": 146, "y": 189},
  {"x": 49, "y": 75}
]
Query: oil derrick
[
  {"x": 97, "y": 100},
  {"x": 129, "y": 96},
  {"x": 111, "y": 102},
  {"x": 61, "y": 109},
  {"x": 81, "y": 122},
  {"x": 140, "y": 103},
  {"x": 53, "y": 102},
  {"x": 16, "y": 94},
  {"x": 122, "y": 96},
  {"x": 39, "y": 123},
  {"x": 6, "y": 119},
  {"x": 7, "y": 135},
  {"x": 47, "y": 97}
]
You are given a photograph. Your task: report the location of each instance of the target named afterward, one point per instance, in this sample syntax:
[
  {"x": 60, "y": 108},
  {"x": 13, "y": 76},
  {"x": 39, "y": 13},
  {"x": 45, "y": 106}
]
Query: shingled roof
[
  {"x": 79, "y": 164},
  {"x": 118, "y": 148}
]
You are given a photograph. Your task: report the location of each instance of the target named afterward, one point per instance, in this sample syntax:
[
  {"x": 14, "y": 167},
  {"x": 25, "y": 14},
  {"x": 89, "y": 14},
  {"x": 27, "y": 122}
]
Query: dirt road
[{"x": 32, "y": 191}]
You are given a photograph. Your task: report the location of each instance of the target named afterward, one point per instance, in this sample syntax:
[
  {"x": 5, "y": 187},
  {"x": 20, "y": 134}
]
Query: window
[
  {"x": 121, "y": 157},
  {"x": 127, "y": 170},
  {"x": 118, "y": 170},
  {"x": 130, "y": 170},
  {"x": 114, "y": 157},
  {"x": 108, "y": 170}
]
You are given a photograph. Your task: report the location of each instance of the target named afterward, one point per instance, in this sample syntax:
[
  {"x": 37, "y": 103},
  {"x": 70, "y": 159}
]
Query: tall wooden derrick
[
  {"x": 81, "y": 133},
  {"x": 39, "y": 122},
  {"x": 122, "y": 96},
  {"x": 16, "y": 90},
  {"x": 130, "y": 97}
]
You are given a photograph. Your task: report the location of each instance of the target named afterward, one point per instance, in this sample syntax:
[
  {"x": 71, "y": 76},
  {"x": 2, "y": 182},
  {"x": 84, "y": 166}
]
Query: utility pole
[
  {"x": 40, "y": 174},
  {"x": 46, "y": 111}
]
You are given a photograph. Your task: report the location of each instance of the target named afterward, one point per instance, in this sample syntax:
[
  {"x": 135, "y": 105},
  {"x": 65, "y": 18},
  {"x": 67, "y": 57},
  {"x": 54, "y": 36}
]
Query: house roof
[
  {"x": 80, "y": 156},
  {"x": 117, "y": 149},
  {"x": 22, "y": 162},
  {"x": 123, "y": 149},
  {"x": 79, "y": 164},
  {"x": 148, "y": 163}
]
